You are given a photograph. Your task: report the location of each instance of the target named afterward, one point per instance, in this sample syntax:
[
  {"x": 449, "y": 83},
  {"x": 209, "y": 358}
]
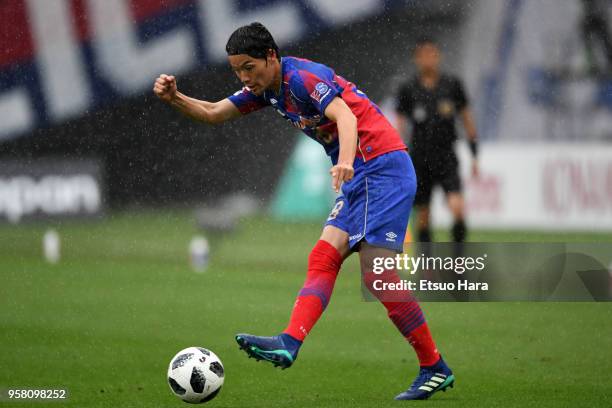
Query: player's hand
[
  {"x": 475, "y": 169},
  {"x": 165, "y": 87},
  {"x": 340, "y": 173}
]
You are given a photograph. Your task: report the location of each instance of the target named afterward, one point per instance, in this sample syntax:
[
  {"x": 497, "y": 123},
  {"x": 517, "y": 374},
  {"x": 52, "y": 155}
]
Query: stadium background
[{"x": 83, "y": 137}]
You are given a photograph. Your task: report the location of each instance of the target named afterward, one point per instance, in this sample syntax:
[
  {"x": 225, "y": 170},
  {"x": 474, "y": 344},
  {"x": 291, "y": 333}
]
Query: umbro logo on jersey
[
  {"x": 273, "y": 101},
  {"x": 391, "y": 236}
]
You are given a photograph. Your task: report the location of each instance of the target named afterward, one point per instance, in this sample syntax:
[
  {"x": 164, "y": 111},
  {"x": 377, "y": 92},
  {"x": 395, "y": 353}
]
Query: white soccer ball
[{"x": 195, "y": 375}]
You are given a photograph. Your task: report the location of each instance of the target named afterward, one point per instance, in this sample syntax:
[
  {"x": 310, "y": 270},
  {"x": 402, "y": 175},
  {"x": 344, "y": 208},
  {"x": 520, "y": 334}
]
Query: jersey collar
[{"x": 272, "y": 95}]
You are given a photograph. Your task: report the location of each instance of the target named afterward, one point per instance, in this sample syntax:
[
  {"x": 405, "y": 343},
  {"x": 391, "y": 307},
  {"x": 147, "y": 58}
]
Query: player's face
[
  {"x": 257, "y": 74},
  {"x": 427, "y": 58}
]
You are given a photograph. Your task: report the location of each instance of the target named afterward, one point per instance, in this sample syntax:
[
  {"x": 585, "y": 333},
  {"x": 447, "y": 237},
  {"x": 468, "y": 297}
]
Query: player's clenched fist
[{"x": 165, "y": 87}]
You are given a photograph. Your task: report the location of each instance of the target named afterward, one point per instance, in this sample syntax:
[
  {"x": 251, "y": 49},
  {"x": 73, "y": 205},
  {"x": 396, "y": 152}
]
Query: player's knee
[
  {"x": 378, "y": 273},
  {"x": 337, "y": 239},
  {"x": 369, "y": 255},
  {"x": 455, "y": 204}
]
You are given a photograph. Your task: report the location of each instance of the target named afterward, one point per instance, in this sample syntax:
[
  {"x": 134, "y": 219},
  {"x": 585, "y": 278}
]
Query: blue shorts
[{"x": 375, "y": 205}]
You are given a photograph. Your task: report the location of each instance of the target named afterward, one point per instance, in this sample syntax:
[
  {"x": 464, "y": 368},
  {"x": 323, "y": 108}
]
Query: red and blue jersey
[{"x": 306, "y": 89}]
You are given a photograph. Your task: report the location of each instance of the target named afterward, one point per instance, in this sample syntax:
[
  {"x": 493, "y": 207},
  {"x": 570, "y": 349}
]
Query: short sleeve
[
  {"x": 247, "y": 102},
  {"x": 320, "y": 91},
  {"x": 403, "y": 102},
  {"x": 461, "y": 99}
]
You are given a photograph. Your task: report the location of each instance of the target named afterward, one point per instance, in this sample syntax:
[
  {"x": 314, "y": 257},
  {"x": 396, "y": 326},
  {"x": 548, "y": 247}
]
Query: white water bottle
[
  {"x": 51, "y": 246},
  {"x": 199, "y": 252}
]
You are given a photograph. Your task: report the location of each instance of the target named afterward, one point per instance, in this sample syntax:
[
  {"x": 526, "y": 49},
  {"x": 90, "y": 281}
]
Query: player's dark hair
[
  {"x": 423, "y": 41},
  {"x": 254, "y": 40}
]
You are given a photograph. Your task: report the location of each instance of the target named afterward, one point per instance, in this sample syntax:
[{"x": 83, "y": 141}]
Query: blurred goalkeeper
[
  {"x": 431, "y": 102},
  {"x": 370, "y": 166}
]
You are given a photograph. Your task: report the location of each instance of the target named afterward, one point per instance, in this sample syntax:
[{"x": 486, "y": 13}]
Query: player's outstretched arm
[
  {"x": 346, "y": 122},
  {"x": 208, "y": 112}
]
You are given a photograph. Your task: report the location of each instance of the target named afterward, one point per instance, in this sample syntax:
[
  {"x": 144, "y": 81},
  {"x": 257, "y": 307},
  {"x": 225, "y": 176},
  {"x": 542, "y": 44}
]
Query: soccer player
[
  {"x": 432, "y": 101},
  {"x": 370, "y": 166}
]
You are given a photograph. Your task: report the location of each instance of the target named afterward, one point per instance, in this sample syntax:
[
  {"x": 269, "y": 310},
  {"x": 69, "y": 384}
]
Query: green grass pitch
[{"x": 106, "y": 320}]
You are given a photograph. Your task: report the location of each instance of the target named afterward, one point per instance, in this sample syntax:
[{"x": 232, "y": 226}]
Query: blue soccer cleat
[
  {"x": 279, "y": 350},
  {"x": 430, "y": 380}
]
